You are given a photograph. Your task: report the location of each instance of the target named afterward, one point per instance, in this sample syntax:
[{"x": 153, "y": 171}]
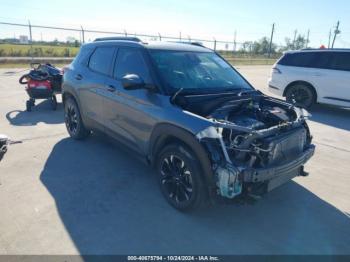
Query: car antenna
[{"x": 173, "y": 97}]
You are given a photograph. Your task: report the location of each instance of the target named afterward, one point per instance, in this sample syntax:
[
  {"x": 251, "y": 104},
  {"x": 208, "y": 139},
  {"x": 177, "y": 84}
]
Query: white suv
[{"x": 313, "y": 76}]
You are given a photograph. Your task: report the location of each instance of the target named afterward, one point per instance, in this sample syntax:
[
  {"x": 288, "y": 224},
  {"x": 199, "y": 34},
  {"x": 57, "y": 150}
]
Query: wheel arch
[
  {"x": 67, "y": 95},
  {"x": 164, "y": 134},
  {"x": 71, "y": 94},
  {"x": 311, "y": 86}
]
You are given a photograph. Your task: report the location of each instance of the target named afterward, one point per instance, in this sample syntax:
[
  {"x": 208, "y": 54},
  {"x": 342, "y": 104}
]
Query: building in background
[{"x": 23, "y": 39}]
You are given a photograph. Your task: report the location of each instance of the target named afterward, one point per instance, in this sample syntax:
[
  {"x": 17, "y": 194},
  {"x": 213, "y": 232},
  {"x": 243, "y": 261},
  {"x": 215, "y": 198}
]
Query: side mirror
[{"x": 132, "y": 82}]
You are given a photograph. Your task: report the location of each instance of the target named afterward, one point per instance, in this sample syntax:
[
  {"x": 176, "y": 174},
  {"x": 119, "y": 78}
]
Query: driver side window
[{"x": 131, "y": 61}]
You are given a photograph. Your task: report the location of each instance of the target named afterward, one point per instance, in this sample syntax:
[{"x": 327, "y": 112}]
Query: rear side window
[
  {"x": 101, "y": 59},
  {"x": 307, "y": 59},
  {"x": 83, "y": 56},
  {"x": 340, "y": 61},
  {"x": 131, "y": 61}
]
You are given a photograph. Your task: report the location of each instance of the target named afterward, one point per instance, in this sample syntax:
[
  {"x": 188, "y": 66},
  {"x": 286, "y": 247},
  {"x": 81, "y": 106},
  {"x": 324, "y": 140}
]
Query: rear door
[
  {"x": 335, "y": 87},
  {"x": 302, "y": 66},
  {"x": 94, "y": 79}
]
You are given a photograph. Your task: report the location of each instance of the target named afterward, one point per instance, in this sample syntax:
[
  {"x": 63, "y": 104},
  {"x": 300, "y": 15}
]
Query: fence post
[
  {"x": 234, "y": 42},
  {"x": 180, "y": 37},
  {"x": 30, "y": 39},
  {"x": 126, "y": 33},
  {"x": 160, "y": 37},
  {"x": 82, "y": 34},
  {"x": 214, "y": 44}
]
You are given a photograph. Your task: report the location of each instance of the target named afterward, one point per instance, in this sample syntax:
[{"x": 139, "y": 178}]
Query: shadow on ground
[
  {"x": 109, "y": 203},
  {"x": 332, "y": 116},
  {"x": 41, "y": 112}
]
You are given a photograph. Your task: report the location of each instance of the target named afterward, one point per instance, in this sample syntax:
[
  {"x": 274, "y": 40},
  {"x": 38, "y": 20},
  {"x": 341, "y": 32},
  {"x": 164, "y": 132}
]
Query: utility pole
[
  {"x": 307, "y": 38},
  {"x": 336, "y": 31},
  {"x": 295, "y": 37},
  {"x": 329, "y": 38},
  {"x": 272, "y": 31},
  {"x": 30, "y": 39}
]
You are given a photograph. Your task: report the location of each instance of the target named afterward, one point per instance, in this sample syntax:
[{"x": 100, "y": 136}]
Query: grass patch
[
  {"x": 18, "y": 50},
  {"x": 22, "y": 65},
  {"x": 250, "y": 61}
]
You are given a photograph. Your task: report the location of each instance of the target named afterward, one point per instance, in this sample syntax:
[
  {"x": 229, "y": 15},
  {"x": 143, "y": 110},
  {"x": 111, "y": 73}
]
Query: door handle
[
  {"x": 111, "y": 88},
  {"x": 78, "y": 77}
]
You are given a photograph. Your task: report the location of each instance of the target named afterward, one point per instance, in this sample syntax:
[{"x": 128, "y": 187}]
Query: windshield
[{"x": 196, "y": 72}]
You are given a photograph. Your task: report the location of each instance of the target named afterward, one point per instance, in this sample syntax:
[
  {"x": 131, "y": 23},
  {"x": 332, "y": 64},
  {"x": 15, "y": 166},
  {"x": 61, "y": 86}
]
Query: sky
[{"x": 220, "y": 19}]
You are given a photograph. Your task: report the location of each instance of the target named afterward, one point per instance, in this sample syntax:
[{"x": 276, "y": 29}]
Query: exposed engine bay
[{"x": 255, "y": 141}]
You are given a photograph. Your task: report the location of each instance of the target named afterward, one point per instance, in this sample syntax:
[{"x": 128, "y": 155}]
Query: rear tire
[
  {"x": 179, "y": 177},
  {"x": 28, "y": 106},
  {"x": 53, "y": 102},
  {"x": 73, "y": 121},
  {"x": 302, "y": 94}
]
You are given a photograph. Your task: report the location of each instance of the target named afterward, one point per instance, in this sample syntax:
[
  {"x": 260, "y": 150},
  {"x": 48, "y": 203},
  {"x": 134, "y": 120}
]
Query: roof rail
[
  {"x": 190, "y": 43},
  {"x": 329, "y": 49},
  {"x": 122, "y": 38}
]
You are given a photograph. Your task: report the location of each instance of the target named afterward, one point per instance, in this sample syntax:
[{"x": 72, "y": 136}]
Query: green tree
[
  {"x": 262, "y": 46},
  {"x": 246, "y": 47},
  {"x": 299, "y": 43}
]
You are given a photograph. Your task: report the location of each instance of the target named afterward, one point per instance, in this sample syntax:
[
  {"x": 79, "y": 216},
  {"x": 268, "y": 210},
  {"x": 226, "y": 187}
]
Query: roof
[
  {"x": 318, "y": 50},
  {"x": 158, "y": 45}
]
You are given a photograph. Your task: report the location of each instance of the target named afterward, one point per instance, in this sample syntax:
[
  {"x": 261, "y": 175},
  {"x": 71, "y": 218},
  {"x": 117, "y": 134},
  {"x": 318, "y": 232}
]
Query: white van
[{"x": 313, "y": 76}]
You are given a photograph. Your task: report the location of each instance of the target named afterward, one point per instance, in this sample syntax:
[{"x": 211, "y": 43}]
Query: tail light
[{"x": 64, "y": 69}]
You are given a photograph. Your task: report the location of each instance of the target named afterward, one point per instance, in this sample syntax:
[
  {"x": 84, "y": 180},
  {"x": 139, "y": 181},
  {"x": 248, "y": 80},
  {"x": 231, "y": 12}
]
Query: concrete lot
[{"x": 59, "y": 196}]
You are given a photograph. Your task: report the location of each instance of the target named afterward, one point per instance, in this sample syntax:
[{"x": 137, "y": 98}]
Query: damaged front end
[{"x": 255, "y": 144}]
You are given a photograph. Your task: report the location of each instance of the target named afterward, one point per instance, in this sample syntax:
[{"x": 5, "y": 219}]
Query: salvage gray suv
[{"x": 208, "y": 133}]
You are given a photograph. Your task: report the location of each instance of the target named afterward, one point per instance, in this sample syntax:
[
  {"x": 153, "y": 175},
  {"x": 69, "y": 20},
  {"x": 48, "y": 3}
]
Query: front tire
[
  {"x": 73, "y": 121},
  {"x": 178, "y": 174},
  {"x": 301, "y": 95}
]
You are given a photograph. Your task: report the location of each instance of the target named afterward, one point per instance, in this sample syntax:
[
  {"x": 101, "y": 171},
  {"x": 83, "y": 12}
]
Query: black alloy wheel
[
  {"x": 73, "y": 121},
  {"x": 179, "y": 176}
]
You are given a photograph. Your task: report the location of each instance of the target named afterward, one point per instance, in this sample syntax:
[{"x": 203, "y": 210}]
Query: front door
[{"x": 127, "y": 112}]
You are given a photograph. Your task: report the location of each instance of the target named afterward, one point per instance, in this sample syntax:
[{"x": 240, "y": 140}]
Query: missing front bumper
[
  {"x": 265, "y": 174},
  {"x": 261, "y": 180}
]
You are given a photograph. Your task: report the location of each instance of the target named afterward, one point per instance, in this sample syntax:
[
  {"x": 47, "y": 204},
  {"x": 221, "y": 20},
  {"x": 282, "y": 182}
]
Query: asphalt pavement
[{"x": 60, "y": 196}]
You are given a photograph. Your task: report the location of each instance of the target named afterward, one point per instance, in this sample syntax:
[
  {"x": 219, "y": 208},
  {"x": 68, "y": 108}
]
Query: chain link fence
[{"x": 35, "y": 41}]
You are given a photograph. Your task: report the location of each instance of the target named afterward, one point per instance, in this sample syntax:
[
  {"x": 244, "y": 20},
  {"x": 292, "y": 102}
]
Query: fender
[
  {"x": 167, "y": 133},
  {"x": 68, "y": 91}
]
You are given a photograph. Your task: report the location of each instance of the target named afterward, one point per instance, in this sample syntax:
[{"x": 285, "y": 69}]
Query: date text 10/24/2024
[{"x": 173, "y": 258}]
